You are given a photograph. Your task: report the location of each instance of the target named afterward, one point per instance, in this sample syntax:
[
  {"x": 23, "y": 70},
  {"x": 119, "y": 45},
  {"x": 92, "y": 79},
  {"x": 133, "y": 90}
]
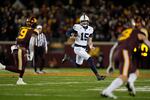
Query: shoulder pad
[
  {"x": 26, "y": 27},
  {"x": 76, "y": 27},
  {"x": 143, "y": 30},
  {"x": 91, "y": 29}
]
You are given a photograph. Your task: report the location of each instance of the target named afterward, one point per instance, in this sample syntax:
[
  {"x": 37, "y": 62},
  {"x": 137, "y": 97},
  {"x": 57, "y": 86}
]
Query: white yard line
[
  {"x": 138, "y": 88},
  {"x": 123, "y": 89},
  {"x": 70, "y": 82}
]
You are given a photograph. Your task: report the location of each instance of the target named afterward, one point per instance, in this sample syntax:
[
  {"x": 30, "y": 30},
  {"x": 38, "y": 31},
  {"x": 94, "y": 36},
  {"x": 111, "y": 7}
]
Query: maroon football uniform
[
  {"x": 20, "y": 54},
  {"x": 127, "y": 41}
]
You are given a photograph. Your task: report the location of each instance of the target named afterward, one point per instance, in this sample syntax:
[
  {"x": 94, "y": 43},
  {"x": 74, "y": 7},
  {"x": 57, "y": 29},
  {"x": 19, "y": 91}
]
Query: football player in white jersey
[{"x": 82, "y": 34}]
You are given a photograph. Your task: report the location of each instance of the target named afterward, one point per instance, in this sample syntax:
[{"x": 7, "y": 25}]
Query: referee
[{"x": 40, "y": 50}]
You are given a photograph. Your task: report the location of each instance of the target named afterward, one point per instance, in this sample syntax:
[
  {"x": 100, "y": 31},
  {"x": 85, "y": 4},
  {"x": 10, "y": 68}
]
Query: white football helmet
[{"x": 84, "y": 20}]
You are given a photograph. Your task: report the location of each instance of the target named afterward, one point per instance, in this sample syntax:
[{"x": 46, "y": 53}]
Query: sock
[
  {"x": 114, "y": 85},
  {"x": 15, "y": 69},
  {"x": 92, "y": 66},
  {"x": 132, "y": 78},
  {"x": 20, "y": 79},
  {"x": 21, "y": 73}
]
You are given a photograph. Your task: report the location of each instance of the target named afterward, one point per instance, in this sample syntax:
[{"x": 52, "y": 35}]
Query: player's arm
[
  {"x": 31, "y": 47},
  {"x": 144, "y": 39},
  {"x": 111, "y": 67},
  {"x": 90, "y": 42},
  {"x": 71, "y": 33}
]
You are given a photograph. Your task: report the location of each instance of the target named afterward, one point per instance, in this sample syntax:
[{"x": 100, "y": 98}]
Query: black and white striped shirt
[{"x": 40, "y": 40}]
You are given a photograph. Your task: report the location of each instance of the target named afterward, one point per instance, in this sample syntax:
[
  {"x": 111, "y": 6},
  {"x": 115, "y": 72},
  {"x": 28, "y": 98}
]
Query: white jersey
[{"x": 82, "y": 34}]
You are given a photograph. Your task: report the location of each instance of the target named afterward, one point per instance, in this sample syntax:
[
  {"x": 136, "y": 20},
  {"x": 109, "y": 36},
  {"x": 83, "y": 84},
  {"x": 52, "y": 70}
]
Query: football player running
[
  {"x": 121, "y": 55},
  {"x": 19, "y": 51},
  {"x": 82, "y": 35}
]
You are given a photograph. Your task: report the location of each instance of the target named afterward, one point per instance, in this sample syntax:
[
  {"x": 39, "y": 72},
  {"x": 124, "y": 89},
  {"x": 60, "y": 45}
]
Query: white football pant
[{"x": 81, "y": 54}]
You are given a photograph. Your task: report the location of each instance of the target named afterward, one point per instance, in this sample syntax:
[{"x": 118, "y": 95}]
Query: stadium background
[{"x": 108, "y": 17}]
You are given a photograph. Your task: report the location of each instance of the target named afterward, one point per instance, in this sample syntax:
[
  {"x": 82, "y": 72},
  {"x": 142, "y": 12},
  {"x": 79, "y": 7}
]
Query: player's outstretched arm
[
  {"x": 147, "y": 42},
  {"x": 111, "y": 67},
  {"x": 31, "y": 48},
  {"x": 71, "y": 33},
  {"x": 145, "y": 39}
]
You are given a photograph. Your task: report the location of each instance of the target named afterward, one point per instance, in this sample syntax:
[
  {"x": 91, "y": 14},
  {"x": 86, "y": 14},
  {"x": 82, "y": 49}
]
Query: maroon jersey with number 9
[
  {"x": 129, "y": 39},
  {"x": 24, "y": 36}
]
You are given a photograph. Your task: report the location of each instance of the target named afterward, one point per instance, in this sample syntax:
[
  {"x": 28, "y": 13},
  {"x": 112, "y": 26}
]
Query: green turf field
[{"x": 66, "y": 84}]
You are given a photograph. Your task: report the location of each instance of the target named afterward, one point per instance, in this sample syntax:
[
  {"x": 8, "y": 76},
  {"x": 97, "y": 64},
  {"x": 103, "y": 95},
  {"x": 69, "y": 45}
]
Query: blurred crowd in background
[{"x": 108, "y": 17}]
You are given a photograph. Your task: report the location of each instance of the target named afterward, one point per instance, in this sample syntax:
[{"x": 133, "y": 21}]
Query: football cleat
[
  {"x": 20, "y": 82},
  {"x": 100, "y": 77},
  {"x": 131, "y": 89},
  {"x": 65, "y": 58},
  {"x": 2, "y": 67},
  {"x": 108, "y": 95},
  {"x": 40, "y": 72}
]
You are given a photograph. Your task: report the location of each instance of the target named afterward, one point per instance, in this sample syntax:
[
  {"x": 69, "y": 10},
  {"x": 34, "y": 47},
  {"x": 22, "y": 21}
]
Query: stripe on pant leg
[
  {"x": 20, "y": 59},
  {"x": 126, "y": 62}
]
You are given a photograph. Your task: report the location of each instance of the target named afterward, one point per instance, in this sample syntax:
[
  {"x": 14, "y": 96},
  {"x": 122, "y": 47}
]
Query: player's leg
[
  {"x": 65, "y": 58},
  {"x": 79, "y": 61},
  {"x": 130, "y": 83},
  {"x": 124, "y": 64},
  {"x": 73, "y": 61},
  {"x": 19, "y": 65},
  {"x": 22, "y": 61},
  {"x": 12, "y": 68},
  {"x": 94, "y": 69},
  {"x": 133, "y": 74},
  {"x": 82, "y": 53}
]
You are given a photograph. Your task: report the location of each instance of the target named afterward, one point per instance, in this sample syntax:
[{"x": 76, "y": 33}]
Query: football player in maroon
[
  {"x": 122, "y": 58},
  {"x": 19, "y": 51}
]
